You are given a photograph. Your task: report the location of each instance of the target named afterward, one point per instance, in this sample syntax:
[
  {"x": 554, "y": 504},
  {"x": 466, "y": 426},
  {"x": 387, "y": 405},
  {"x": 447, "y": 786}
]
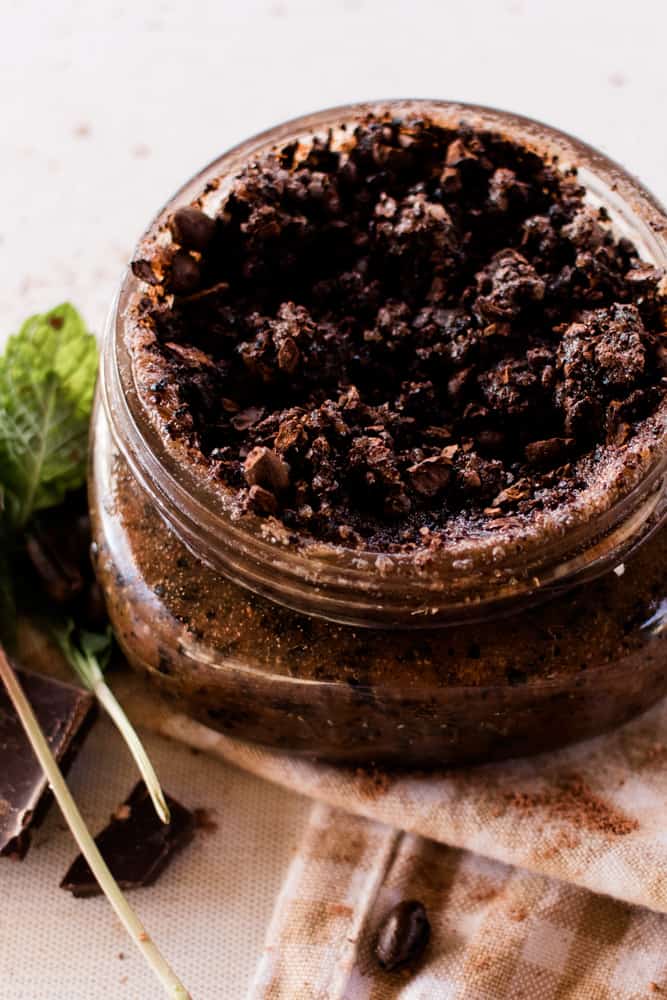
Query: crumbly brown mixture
[{"x": 415, "y": 335}]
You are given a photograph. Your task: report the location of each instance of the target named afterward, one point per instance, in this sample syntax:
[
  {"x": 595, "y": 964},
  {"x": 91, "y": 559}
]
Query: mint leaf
[{"x": 47, "y": 382}]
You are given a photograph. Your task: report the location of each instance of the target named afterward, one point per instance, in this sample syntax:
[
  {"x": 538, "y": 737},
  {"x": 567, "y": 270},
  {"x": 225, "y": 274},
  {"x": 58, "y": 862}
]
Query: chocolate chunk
[
  {"x": 192, "y": 228},
  {"x": 506, "y": 286},
  {"x": 373, "y": 462},
  {"x": 403, "y": 935},
  {"x": 512, "y": 494},
  {"x": 511, "y": 388},
  {"x": 288, "y": 355},
  {"x": 548, "y": 452},
  {"x": 65, "y": 714},
  {"x": 430, "y": 476},
  {"x": 143, "y": 269},
  {"x": 601, "y": 357},
  {"x": 185, "y": 274},
  {"x": 136, "y": 845},
  {"x": 263, "y": 467},
  {"x": 290, "y": 434},
  {"x": 262, "y": 501}
]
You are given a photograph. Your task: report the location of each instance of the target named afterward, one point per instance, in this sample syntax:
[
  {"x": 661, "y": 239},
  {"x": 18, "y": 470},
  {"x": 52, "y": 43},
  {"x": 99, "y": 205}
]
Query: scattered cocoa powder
[
  {"x": 204, "y": 820},
  {"x": 571, "y": 800},
  {"x": 372, "y": 783}
]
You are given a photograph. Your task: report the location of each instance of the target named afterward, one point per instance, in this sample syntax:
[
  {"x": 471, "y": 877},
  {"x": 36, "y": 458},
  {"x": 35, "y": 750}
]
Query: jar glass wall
[{"x": 558, "y": 637}]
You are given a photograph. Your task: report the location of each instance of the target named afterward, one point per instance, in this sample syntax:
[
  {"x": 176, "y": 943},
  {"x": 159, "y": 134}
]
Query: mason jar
[{"x": 481, "y": 650}]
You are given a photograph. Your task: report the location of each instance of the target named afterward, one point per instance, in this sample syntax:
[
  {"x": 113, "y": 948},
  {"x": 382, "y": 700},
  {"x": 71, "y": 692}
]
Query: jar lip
[{"x": 465, "y": 577}]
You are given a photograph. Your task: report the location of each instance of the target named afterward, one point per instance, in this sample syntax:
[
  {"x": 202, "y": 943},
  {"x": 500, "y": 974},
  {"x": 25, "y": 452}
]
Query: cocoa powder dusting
[
  {"x": 573, "y": 801},
  {"x": 372, "y": 782}
]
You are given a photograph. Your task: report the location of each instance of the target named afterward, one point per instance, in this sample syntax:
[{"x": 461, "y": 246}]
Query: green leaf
[{"x": 47, "y": 382}]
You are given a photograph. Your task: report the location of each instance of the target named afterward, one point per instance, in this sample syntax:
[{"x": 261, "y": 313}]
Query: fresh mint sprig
[{"x": 47, "y": 382}]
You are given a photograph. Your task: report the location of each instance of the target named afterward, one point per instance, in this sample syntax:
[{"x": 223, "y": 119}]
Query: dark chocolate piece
[
  {"x": 64, "y": 713},
  {"x": 403, "y": 935},
  {"x": 136, "y": 845}
]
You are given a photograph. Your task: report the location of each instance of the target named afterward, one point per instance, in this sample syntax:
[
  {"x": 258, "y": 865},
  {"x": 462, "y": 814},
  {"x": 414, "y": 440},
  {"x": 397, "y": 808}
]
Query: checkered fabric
[
  {"x": 594, "y": 814},
  {"x": 497, "y": 931},
  {"x": 543, "y": 878}
]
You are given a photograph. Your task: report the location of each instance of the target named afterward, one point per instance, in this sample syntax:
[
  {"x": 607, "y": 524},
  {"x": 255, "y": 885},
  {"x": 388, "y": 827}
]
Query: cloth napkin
[{"x": 543, "y": 878}]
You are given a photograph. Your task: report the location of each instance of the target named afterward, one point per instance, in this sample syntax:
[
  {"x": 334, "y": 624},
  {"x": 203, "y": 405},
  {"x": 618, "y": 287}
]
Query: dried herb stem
[{"x": 171, "y": 984}]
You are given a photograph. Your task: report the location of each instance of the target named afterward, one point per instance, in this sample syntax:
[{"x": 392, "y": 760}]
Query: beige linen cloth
[{"x": 543, "y": 878}]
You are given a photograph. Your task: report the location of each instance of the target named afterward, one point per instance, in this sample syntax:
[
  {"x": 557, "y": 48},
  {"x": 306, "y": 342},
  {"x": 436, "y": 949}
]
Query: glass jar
[{"x": 485, "y": 649}]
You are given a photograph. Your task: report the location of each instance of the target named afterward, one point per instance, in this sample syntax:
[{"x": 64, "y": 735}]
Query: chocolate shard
[
  {"x": 263, "y": 467},
  {"x": 136, "y": 845},
  {"x": 65, "y": 714}
]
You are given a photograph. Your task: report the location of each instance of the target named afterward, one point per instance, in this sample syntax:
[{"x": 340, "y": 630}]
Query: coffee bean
[
  {"x": 185, "y": 275},
  {"x": 192, "y": 228},
  {"x": 402, "y": 935}
]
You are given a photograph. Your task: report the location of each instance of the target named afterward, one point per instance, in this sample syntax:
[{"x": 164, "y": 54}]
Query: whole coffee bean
[
  {"x": 402, "y": 935},
  {"x": 185, "y": 275},
  {"x": 192, "y": 228}
]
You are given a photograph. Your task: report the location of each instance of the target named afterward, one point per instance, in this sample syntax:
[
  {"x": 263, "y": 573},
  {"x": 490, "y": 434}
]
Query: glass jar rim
[{"x": 474, "y": 577}]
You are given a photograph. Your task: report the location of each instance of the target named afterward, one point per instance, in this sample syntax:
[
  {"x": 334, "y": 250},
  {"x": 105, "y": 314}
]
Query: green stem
[
  {"x": 173, "y": 987},
  {"x": 89, "y": 672},
  {"x": 108, "y": 701}
]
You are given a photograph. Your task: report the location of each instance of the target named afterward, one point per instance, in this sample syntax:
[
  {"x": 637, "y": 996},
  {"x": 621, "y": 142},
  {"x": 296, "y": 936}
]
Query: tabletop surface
[{"x": 107, "y": 108}]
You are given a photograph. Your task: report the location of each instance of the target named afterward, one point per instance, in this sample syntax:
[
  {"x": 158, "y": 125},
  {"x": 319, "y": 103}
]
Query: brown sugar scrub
[
  {"x": 392, "y": 368},
  {"x": 401, "y": 339}
]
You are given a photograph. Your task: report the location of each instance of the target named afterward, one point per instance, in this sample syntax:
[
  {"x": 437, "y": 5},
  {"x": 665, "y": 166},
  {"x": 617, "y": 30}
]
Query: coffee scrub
[{"x": 379, "y": 447}]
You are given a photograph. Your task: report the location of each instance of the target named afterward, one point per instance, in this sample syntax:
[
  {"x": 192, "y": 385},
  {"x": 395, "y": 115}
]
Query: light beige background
[{"x": 105, "y": 109}]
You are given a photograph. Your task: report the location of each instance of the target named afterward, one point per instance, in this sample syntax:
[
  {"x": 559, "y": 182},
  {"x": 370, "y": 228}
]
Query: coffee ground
[{"x": 422, "y": 333}]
